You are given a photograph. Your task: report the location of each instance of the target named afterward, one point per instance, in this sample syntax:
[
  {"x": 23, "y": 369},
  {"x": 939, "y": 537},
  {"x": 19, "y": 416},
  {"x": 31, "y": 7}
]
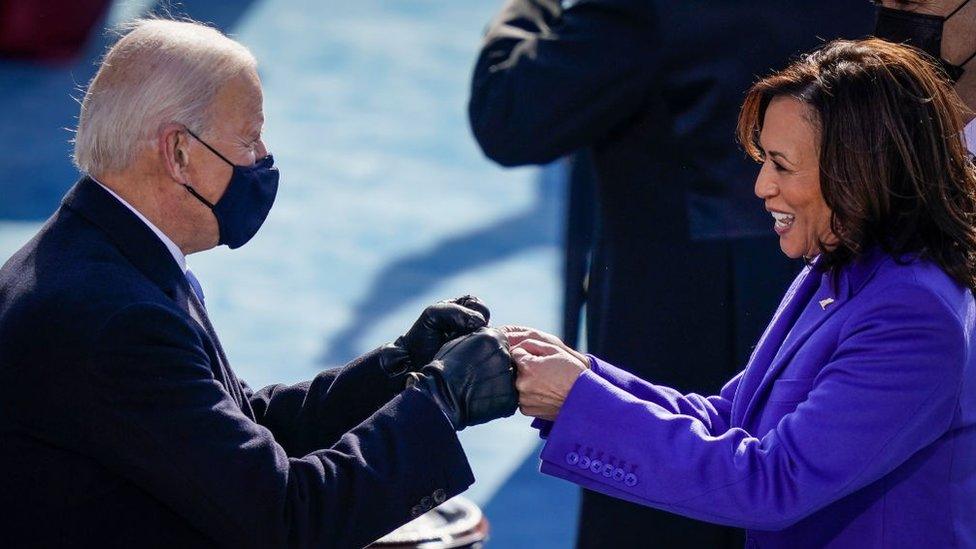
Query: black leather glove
[
  {"x": 471, "y": 379},
  {"x": 438, "y": 324}
]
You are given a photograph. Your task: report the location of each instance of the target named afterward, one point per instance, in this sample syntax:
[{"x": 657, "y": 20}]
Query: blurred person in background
[
  {"x": 946, "y": 31},
  {"x": 683, "y": 269},
  {"x": 854, "y": 422},
  {"x": 122, "y": 422}
]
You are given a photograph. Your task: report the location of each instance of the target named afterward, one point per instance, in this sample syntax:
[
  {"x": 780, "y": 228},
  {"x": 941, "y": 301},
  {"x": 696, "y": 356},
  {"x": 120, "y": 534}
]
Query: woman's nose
[
  {"x": 765, "y": 185},
  {"x": 260, "y": 150}
]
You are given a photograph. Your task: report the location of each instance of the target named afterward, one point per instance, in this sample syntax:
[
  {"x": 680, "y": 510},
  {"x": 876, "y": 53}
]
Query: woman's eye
[{"x": 779, "y": 167}]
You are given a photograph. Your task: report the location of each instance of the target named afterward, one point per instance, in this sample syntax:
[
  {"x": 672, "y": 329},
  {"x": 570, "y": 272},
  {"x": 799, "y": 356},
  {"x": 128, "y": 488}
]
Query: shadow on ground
[
  {"x": 533, "y": 510},
  {"x": 403, "y": 279}
]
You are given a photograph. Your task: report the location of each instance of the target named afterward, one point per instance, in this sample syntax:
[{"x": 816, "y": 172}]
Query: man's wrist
[
  {"x": 394, "y": 360},
  {"x": 433, "y": 387}
]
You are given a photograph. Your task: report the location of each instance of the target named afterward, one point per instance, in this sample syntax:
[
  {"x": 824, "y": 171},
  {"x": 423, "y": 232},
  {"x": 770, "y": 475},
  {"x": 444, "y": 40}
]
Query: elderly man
[{"x": 122, "y": 423}]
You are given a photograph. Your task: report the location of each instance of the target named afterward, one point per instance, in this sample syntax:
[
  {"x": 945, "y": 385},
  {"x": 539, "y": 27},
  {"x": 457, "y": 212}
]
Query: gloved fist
[
  {"x": 471, "y": 379},
  {"x": 440, "y": 323}
]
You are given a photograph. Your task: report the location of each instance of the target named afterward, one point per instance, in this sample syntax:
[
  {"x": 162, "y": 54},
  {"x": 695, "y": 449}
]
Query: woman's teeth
[{"x": 783, "y": 220}]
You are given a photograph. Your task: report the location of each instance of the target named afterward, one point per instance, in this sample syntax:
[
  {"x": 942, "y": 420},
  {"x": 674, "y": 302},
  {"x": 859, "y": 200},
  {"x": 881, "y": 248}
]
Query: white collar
[{"x": 174, "y": 250}]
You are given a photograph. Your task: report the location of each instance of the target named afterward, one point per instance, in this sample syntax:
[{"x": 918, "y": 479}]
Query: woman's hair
[{"x": 893, "y": 168}]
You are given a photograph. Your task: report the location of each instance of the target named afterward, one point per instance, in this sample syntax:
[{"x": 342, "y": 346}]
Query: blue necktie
[{"x": 195, "y": 285}]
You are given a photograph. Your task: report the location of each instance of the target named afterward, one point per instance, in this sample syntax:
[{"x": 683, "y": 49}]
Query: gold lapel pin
[{"x": 825, "y": 302}]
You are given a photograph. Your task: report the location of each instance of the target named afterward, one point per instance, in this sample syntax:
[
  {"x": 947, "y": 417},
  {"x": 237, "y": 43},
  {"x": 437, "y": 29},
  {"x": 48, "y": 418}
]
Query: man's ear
[{"x": 174, "y": 149}]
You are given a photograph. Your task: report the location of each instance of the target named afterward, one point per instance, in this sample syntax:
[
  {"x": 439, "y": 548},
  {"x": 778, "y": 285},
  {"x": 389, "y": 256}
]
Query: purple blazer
[{"x": 853, "y": 425}]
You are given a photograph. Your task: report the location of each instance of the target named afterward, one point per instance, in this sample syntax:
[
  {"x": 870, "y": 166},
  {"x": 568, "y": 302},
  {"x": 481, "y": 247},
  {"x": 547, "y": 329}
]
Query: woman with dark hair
[{"x": 854, "y": 422}]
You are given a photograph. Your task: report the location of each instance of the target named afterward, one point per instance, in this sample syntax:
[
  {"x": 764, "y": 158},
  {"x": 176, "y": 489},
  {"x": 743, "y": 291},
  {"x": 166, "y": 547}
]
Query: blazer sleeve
[
  {"x": 889, "y": 390},
  {"x": 314, "y": 414},
  {"x": 714, "y": 412},
  {"x": 550, "y": 80},
  {"x": 160, "y": 419}
]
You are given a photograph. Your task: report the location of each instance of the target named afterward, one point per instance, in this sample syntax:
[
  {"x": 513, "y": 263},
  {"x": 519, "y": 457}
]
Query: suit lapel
[
  {"x": 136, "y": 241},
  {"x": 225, "y": 375},
  {"x": 148, "y": 254},
  {"x": 129, "y": 234}
]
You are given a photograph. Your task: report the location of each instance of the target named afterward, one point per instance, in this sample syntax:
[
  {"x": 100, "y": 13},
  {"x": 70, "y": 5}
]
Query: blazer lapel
[
  {"x": 821, "y": 306},
  {"x": 772, "y": 339},
  {"x": 827, "y": 300}
]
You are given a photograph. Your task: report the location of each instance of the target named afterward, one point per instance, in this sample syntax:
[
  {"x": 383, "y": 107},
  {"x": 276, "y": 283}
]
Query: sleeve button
[
  {"x": 607, "y": 470},
  {"x": 630, "y": 479},
  {"x": 440, "y": 496},
  {"x": 584, "y": 462},
  {"x": 572, "y": 458},
  {"x": 596, "y": 466},
  {"x": 618, "y": 474}
]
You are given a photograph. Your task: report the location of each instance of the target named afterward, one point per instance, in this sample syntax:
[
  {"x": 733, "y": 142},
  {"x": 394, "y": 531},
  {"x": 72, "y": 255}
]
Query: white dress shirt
[{"x": 174, "y": 250}]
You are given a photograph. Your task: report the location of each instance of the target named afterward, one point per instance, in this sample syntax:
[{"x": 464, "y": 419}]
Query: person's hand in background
[{"x": 547, "y": 370}]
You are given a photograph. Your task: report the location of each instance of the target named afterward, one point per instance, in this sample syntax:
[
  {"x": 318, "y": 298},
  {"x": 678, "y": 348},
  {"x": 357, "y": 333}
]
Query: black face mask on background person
[
  {"x": 245, "y": 205},
  {"x": 921, "y": 30}
]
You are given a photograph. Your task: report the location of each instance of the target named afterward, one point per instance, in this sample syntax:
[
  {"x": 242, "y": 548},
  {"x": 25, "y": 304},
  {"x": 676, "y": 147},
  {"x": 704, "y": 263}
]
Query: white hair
[{"x": 161, "y": 71}]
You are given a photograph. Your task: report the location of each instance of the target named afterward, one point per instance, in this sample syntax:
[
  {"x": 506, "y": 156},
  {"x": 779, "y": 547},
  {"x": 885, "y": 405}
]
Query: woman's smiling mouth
[{"x": 783, "y": 222}]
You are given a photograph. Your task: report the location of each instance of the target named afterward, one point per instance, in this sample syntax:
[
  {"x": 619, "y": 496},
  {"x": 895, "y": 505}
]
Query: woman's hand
[
  {"x": 518, "y": 334},
  {"x": 547, "y": 370}
]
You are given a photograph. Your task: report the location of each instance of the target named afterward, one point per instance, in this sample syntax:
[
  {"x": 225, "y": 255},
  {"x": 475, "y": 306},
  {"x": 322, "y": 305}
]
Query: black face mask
[{"x": 920, "y": 30}]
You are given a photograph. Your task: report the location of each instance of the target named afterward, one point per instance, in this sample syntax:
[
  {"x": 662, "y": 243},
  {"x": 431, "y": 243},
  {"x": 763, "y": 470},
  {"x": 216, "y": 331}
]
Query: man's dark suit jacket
[
  {"x": 685, "y": 270},
  {"x": 122, "y": 424}
]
